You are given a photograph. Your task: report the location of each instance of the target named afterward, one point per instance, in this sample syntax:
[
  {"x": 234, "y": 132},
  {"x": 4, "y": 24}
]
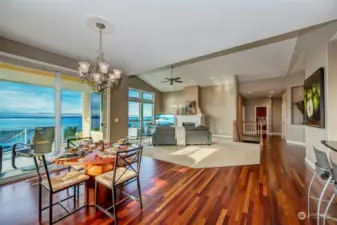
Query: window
[
  {"x": 71, "y": 114},
  {"x": 24, "y": 107},
  {"x": 147, "y": 113},
  {"x": 141, "y": 108},
  {"x": 134, "y": 93},
  {"x": 134, "y": 114},
  {"x": 95, "y": 111},
  {"x": 297, "y": 105},
  {"x": 147, "y": 96},
  {"x": 31, "y": 98}
]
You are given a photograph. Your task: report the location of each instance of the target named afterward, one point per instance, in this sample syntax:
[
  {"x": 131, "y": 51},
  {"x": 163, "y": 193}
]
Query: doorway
[{"x": 261, "y": 115}]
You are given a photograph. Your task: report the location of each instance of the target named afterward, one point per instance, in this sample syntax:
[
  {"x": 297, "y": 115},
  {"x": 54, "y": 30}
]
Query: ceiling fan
[{"x": 172, "y": 79}]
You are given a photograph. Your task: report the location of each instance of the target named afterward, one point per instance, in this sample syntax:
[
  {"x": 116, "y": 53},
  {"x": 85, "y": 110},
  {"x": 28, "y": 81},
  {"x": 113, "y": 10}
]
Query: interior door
[{"x": 261, "y": 116}]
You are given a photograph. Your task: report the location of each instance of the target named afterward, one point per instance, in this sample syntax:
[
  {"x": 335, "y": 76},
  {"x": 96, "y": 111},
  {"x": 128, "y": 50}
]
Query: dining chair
[
  {"x": 324, "y": 171},
  {"x": 334, "y": 177},
  {"x": 126, "y": 170},
  {"x": 57, "y": 184},
  {"x": 41, "y": 143}
]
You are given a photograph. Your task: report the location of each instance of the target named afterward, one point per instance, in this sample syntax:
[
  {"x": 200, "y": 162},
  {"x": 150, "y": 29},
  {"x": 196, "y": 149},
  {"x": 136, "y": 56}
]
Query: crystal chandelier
[{"x": 99, "y": 78}]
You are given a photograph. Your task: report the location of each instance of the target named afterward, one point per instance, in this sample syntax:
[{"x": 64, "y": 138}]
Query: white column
[
  {"x": 107, "y": 114},
  {"x": 57, "y": 111},
  {"x": 86, "y": 114}
]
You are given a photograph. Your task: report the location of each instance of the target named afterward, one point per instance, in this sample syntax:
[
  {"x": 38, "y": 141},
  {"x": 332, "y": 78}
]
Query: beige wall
[
  {"x": 332, "y": 90},
  {"x": 315, "y": 46},
  {"x": 119, "y": 110},
  {"x": 297, "y": 95},
  {"x": 191, "y": 93},
  {"x": 276, "y": 117},
  {"x": 171, "y": 101},
  {"x": 250, "y": 105},
  {"x": 239, "y": 108},
  {"x": 135, "y": 82},
  {"x": 294, "y": 132},
  {"x": 20, "y": 49},
  {"x": 218, "y": 104}
]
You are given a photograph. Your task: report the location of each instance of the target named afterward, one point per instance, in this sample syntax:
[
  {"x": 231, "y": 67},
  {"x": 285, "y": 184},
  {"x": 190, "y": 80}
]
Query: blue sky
[{"x": 26, "y": 98}]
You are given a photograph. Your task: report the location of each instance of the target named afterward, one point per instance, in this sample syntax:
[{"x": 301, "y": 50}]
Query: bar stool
[
  {"x": 323, "y": 169},
  {"x": 334, "y": 177}
]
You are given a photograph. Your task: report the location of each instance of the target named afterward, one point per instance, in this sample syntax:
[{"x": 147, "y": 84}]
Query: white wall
[
  {"x": 294, "y": 132},
  {"x": 315, "y": 46}
]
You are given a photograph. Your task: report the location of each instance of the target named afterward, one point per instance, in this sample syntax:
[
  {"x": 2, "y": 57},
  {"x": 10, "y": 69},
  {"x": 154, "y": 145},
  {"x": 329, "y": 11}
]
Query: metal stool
[{"x": 323, "y": 169}]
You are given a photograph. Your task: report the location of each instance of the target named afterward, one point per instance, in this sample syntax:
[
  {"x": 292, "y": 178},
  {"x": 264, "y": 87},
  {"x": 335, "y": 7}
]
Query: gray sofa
[{"x": 165, "y": 135}]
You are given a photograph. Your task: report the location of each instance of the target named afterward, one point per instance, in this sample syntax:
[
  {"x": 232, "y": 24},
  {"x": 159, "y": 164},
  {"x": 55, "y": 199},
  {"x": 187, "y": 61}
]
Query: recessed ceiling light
[
  {"x": 271, "y": 92},
  {"x": 212, "y": 78},
  {"x": 249, "y": 92}
]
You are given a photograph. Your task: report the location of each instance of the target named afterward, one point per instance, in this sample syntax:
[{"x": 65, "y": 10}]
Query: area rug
[{"x": 223, "y": 152}]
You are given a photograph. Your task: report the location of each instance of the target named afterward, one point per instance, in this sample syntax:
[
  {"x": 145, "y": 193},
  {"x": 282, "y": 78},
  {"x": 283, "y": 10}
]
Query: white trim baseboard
[
  {"x": 276, "y": 134},
  {"x": 219, "y": 135},
  {"x": 309, "y": 164},
  {"x": 296, "y": 142}
]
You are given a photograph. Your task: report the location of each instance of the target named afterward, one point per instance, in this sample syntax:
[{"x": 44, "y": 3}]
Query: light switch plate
[{"x": 116, "y": 120}]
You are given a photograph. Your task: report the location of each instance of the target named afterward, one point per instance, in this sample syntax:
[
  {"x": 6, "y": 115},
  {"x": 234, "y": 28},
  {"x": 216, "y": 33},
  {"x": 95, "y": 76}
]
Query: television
[
  {"x": 314, "y": 100},
  {"x": 165, "y": 119}
]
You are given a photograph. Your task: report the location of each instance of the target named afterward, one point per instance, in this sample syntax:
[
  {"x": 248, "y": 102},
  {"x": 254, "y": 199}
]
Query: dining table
[
  {"x": 332, "y": 145},
  {"x": 95, "y": 162}
]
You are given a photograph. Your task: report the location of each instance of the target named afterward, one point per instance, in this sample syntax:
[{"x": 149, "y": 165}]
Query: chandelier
[{"x": 99, "y": 78}]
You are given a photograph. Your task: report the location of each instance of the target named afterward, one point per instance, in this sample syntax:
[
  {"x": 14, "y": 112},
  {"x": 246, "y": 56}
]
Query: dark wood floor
[{"x": 273, "y": 192}]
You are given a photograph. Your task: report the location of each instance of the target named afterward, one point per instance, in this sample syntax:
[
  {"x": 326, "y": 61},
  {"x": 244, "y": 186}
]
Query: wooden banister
[{"x": 248, "y": 129}]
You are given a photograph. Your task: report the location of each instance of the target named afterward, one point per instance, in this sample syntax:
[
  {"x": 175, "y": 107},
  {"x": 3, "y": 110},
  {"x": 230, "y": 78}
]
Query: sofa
[{"x": 165, "y": 135}]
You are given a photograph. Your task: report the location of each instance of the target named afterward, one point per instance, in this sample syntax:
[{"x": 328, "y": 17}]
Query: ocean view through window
[
  {"x": 24, "y": 107},
  {"x": 141, "y": 109}
]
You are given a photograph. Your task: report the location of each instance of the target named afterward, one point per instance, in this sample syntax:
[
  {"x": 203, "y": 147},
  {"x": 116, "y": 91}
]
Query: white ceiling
[
  {"x": 154, "y": 33},
  {"x": 299, "y": 64},
  {"x": 258, "y": 63}
]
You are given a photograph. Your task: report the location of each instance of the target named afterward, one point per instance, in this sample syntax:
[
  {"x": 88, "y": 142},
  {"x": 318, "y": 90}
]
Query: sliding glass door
[
  {"x": 134, "y": 114},
  {"x": 141, "y": 112},
  {"x": 71, "y": 114},
  {"x": 96, "y": 111},
  {"x": 24, "y": 108},
  {"x": 34, "y": 99}
]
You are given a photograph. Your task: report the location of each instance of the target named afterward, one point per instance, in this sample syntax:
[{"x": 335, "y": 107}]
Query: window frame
[{"x": 140, "y": 100}]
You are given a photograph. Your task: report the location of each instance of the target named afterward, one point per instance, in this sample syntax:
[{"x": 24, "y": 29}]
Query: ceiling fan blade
[
  {"x": 171, "y": 82},
  {"x": 179, "y": 81},
  {"x": 177, "y": 78},
  {"x": 165, "y": 81}
]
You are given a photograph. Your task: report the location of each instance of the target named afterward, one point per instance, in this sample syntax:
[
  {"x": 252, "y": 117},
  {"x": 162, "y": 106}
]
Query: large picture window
[
  {"x": 141, "y": 110},
  {"x": 95, "y": 111},
  {"x": 33, "y": 101}
]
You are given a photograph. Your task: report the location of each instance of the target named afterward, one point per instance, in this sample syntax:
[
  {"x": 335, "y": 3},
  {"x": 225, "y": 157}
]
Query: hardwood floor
[{"x": 273, "y": 192}]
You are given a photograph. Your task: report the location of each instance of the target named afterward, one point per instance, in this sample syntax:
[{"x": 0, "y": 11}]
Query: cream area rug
[{"x": 223, "y": 152}]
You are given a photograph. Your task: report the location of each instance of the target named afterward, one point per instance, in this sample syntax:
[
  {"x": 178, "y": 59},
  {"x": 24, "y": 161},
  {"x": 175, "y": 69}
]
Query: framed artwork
[
  {"x": 314, "y": 101},
  {"x": 191, "y": 108}
]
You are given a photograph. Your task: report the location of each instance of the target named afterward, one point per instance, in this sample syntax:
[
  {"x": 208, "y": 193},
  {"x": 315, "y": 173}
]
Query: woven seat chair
[
  {"x": 126, "y": 171},
  {"x": 57, "y": 184}
]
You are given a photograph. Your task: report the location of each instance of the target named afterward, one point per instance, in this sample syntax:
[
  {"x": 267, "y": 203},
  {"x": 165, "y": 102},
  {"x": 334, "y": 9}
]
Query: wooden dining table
[{"x": 95, "y": 163}]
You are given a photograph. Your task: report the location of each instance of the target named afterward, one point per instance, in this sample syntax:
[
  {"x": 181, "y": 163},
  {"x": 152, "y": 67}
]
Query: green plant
[{"x": 70, "y": 132}]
